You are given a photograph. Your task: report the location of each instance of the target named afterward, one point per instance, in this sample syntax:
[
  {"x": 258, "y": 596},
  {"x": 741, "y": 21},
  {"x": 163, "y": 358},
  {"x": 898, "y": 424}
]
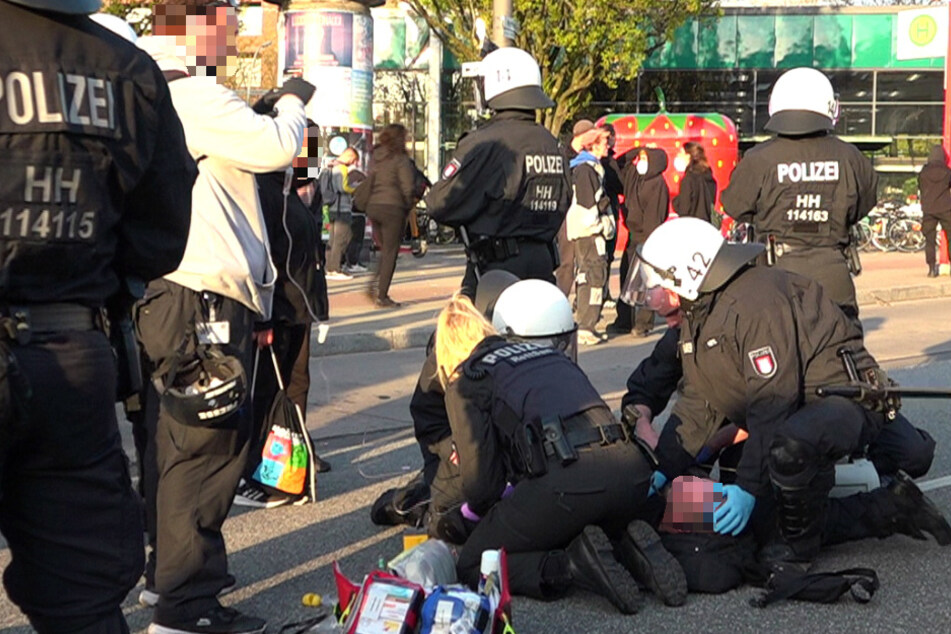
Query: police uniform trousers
[
  {"x": 532, "y": 262},
  {"x": 899, "y": 445},
  {"x": 828, "y": 266},
  {"x": 929, "y": 228},
  {"x": 606, "y": 486},
  {"x": 67, "y": 507},
  {"x": 591, "y": 280},
  {"x": 198, "y": 472}
]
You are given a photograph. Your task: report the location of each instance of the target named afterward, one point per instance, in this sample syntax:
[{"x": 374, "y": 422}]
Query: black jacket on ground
[
  {"x": 698, "y": 193},
  {"x": 508, "y": 178},
  {"x": 755, "y": 350},
  {"x": 646, "y": 196},
  {"x": 295, "y": 242},
  {"x": 108, "y": 134},
  {"x": 934, "y": 184}
]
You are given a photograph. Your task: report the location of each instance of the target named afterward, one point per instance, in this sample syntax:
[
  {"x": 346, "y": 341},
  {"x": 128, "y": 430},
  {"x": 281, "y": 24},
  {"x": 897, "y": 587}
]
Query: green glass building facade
[{"x": 728, "y": 64}]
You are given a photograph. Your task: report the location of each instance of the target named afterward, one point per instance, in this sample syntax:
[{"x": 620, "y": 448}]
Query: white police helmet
[
  {"x": 73, "y": 7},
  {"x": 689, "y": 256},
  {"x": 802, "y": 102},
  {"x": 115, "y": 24},
  {"x": 512, "y": 79},
  {"x": 532, "y": 308}
]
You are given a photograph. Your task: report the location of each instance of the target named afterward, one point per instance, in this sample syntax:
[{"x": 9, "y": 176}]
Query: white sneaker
[
  {"x": 589, "y": 338},
  {"x": 338, "y": 275},
  {"x": 355, "y": 268}
]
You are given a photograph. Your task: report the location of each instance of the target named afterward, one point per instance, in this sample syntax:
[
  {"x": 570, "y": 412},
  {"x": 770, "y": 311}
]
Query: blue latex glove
[
  {"x": 731, "y": 516},
  {"x": 658, "y": 480}
]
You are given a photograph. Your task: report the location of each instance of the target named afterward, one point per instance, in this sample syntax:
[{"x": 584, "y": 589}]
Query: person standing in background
[
  {"x": 698, "y": 189},
  {"x": 934, "y": 184},
  {"x": 392, "y": 187},
  {"x": 646, "y": 200},
  {"x": 340, "y": 213}
]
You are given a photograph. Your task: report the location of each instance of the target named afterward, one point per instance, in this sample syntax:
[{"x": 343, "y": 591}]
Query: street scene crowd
[{"x": 162, "y": 247}]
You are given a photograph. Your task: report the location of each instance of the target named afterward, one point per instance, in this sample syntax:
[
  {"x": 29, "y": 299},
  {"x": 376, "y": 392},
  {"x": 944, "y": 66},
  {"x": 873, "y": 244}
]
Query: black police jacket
[
  {"x": 655, "y": 379},
  {"x": 807, "y": 191},
  {"x": 754, "y": 352},
  {"x": 507, "y": 179},
  {"x": 95, "y": 178},
  {"x": 503, "y": 386}
]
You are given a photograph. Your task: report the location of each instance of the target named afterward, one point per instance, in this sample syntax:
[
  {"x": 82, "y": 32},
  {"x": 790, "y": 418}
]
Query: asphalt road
[{"x": 358, "y": 414}]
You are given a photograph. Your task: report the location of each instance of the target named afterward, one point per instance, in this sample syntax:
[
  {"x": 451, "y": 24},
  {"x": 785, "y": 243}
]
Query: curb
[
  {"x": 400, "y": 338},
  {"x": 405, "y": 337}
]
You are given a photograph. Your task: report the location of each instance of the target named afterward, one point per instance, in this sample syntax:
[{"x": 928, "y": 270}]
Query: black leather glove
[
  {"x": 265, "y": 104},
  {"x": 296, "y": 86}
]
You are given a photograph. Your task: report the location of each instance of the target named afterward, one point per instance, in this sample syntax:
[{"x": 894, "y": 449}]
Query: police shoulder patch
[
  {"x": 450, "y": 170},
  {"x": 764, "y": 361}
]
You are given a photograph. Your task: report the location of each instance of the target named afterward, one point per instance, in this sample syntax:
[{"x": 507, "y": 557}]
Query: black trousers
[
  {"x": 198, "y": 471},
  {"x": 340, "y": 235},
  {"x": 68, "y": 511},
  {"x": 929, "y": 227},
  {"x": 532, "y": 262},
  {"x": 606, "y": 486},
  {"x": 629, "y": 317},
  {"x": 389, "y": 222},
  {"x": 292, "y": 348},
  {"x": 591, "y": 280},
  {"x": 358, "y": 225}
]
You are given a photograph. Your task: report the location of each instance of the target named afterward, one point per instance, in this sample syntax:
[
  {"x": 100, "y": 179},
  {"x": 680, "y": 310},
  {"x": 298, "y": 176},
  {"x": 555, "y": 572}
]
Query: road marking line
[{"x": 937, "y": 483}]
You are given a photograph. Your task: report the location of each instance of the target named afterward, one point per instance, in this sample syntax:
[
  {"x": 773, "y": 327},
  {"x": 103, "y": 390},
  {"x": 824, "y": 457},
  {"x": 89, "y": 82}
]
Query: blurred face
[
  {"x": 205, "y": 37},
  {"x": 307, "y": 163}
]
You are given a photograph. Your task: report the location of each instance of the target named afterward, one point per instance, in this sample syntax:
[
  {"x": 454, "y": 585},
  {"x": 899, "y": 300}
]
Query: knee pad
[{"x": 792, "y": 462}]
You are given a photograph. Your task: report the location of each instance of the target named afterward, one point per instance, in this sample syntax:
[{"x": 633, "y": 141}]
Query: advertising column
[{"x": 331, "y": 46}]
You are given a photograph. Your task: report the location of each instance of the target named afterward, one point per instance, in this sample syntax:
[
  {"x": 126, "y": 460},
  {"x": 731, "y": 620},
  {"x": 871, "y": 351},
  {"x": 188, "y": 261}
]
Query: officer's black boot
[
  {"x": 801, "y": 515},
  {"x": 642, "y": 553},
  {"x": 933, "y": 270},
  {"x": 601, "y": 575},
  {"x": 903, "y": 508}
]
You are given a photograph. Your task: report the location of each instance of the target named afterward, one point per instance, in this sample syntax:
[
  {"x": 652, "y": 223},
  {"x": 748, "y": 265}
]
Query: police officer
[
  {"x": 507, "y": 185},
  {"x": 755, "y": 343},
  {"x": 433, "y": 497},
  {"x": 803, "y": 190},
  {"x": 95, "y": 192},
  {"x": 524, "y": 414}
]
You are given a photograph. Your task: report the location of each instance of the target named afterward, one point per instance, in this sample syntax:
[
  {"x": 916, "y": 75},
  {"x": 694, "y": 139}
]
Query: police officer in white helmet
[
  {"x": 508, "y": 184},
  {"x": 755, "y": 344},
  {"x": 530, "y": 433},
  {"x": 803, "y": 190}
]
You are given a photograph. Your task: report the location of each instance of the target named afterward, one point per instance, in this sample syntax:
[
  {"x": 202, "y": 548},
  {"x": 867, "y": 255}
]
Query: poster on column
[{"x": 334, "y": 51}]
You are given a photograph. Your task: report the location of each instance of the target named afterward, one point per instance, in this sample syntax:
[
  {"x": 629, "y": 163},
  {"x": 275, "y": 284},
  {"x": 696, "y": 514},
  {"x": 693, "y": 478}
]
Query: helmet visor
[{"x": 641, "y": 277}]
